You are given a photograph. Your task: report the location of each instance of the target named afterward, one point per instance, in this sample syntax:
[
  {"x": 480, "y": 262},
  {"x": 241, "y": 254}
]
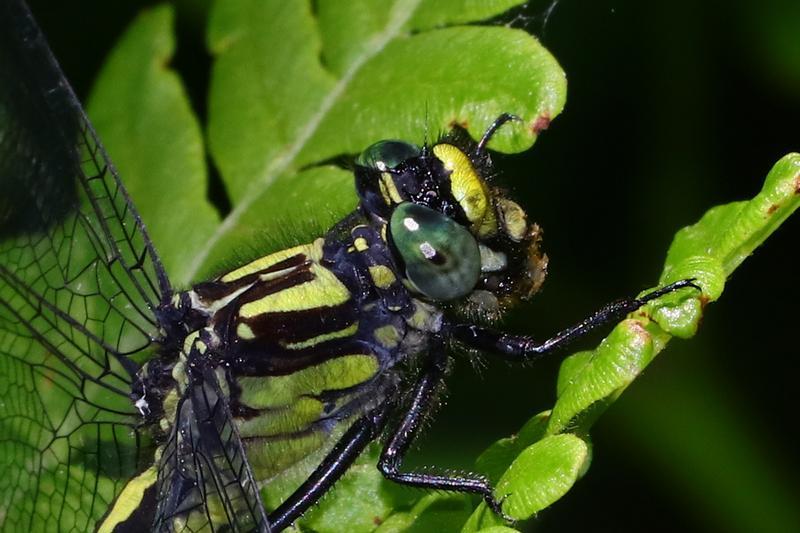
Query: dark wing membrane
[
  {"x": 79, "y": 285},
  {"x": 205, "y": 482}
]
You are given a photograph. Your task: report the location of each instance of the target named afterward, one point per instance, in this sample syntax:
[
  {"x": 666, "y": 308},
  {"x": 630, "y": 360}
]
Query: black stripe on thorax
[
  {"x": 265, "y": 288},
  {"x": 272, "y": 360},
  {"x": 210, "y": 291},
  {"x": 298, "y": 326}
]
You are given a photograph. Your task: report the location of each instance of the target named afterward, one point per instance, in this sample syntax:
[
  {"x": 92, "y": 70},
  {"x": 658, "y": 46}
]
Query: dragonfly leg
[
  {"x": 339, "y": 459},
  {"x": 399, "y": 441},
  {"x": 523, "y": 349}
]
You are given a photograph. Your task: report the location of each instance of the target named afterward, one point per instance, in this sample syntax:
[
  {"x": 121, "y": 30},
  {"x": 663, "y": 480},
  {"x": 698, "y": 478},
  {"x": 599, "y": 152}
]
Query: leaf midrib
[{"x": 401, "y": 13}]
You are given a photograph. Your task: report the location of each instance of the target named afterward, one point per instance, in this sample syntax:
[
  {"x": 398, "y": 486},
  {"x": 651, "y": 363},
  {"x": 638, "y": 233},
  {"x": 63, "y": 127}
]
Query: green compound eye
[
  {"x": 441, "y": 257},
  {"x": 387, "y": 154}
]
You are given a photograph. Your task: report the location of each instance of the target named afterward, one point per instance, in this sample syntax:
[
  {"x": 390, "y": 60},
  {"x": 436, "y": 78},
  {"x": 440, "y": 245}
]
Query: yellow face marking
[
  {"x": 388, "y": 336},
  {"x": 346, "y": 332},
  {"x": 313, "y": 251},
  {"x": 382, "y": 276},
  {"x": 361, "y": 244},
  {"x": 492, "y": 261},
  {"x": 335, "y": 374},
  {"x": 325, "y": 290},
  {"x": 129, "y": 499},
  {"x": 469, "y": 189},
  {"x": 384, "y": 192},
  {"x": 515, "y": 221},
  {"x": 391, "y": 189}
]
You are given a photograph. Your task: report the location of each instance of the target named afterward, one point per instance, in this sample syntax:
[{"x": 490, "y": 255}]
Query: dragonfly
[{"x": 128, "y": 404}]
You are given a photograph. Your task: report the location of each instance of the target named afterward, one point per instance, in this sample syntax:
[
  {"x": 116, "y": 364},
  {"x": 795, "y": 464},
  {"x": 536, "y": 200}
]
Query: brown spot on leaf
[
  {"x": 773, "y": 208},
  {"x": 639, "y": 329},
  {"x": 541, "y": 123},
  {"x": 377, "y": 520},
  {"x": 797, "y": 184}
]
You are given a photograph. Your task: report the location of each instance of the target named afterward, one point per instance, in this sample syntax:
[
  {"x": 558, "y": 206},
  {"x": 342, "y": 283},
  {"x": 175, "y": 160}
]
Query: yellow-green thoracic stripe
[
  {"x": 339, "y": 373},
  {"x": 292, "y": 313},
  {"x": 284, "y": 427},
  {"x": 287, "y": 299},
  {"x": 323, "y": 289}
]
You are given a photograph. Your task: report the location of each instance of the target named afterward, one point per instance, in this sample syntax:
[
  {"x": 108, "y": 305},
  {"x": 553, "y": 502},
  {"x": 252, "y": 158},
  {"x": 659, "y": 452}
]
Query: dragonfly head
[{"x": 452, "y": 233}]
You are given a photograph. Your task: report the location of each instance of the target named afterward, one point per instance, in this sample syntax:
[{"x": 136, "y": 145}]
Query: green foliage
[
  {"x": 290, "y": 90},
  {"x": 708, "y": 251},
  {"x": 144, "y": 117}
]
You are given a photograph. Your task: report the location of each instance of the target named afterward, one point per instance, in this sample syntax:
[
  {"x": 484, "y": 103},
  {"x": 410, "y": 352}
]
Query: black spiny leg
[
  {"x": 339, "y": 459},
  {"x": 403, "y": 435},
  {"x": 480, "y": 148},
  {"x": 520, "y": 348},
  {"x": 367, "y": 428}
]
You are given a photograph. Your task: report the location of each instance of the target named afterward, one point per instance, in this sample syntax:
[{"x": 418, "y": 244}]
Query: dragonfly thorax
[{"x": 301, "y": 340}]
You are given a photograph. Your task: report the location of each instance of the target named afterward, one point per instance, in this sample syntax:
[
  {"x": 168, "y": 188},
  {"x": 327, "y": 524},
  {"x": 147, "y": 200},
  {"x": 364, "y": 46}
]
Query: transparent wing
[
  {"x": 79, "y": 286},
  {"x": 205, "y": 482}
]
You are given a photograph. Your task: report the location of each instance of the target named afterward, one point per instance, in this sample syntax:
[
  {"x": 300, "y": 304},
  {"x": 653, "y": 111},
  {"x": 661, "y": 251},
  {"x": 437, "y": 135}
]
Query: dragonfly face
[
  {"x": 450, "y": 233},
  {"x": 131, "y": 406}
]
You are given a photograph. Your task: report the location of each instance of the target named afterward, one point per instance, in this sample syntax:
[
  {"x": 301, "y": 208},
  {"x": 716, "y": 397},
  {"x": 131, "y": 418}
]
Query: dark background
[{"x": 672, "y": 107}]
